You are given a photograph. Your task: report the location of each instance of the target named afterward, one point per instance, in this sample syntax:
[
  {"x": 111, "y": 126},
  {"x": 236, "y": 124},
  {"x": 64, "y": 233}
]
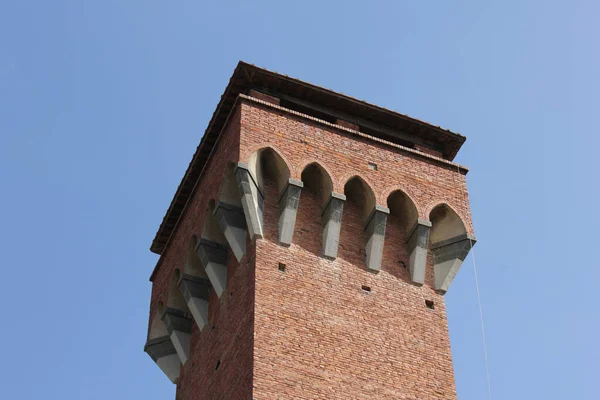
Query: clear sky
[{"x": 102, "y": 104}]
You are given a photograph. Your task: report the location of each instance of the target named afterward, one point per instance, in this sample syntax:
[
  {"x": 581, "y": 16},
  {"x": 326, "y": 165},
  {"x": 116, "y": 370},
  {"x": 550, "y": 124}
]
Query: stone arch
[
  {"x": 317, "y": 181},
  {"x": 446, "y": 223},
  {"x": 449, "y": 243},
  {"x": 358, "y": 191}
]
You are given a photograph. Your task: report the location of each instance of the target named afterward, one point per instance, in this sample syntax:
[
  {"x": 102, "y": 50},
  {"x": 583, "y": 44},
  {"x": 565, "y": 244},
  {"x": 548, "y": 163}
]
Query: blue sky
[{"x": 102, "y": 104}]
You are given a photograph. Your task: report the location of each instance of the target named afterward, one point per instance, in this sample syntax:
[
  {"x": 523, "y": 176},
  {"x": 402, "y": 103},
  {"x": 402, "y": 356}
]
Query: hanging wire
[{"x": 485, "y": 352}]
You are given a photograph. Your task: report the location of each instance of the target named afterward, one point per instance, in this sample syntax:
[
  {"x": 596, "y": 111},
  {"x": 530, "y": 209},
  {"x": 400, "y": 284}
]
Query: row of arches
[{"x": 237, "y": 211}]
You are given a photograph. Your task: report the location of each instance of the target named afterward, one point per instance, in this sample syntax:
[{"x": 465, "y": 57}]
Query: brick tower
[{"x": 307, "y": 251}]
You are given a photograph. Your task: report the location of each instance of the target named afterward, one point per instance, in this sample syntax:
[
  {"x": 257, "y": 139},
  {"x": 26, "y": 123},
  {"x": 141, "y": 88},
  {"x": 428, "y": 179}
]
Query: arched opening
[
  {"x": 271, "y": 174},
  {"x": 403, "y": 210},
  {"x": 210, "y": 227},
  {"x": 446, "y": 224},
  {"x": 360, "y": 202},
  {"x": 317, "y": 183},
  {"x": 267, "y": 165},
  {"x": 449, "y": 244},
  {"x": 360, "y": 196},
  {"x": 175, "y": 299},
  {"x": 401, "y": 221},
  {"x": 192, "y": 265},
  {"x": 317, "y": 190},
  {"x": 228, "y": 192}
]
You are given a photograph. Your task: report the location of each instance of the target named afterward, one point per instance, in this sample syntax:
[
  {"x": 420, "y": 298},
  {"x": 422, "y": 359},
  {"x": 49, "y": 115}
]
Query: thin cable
[{"x": 485, "y": 352}]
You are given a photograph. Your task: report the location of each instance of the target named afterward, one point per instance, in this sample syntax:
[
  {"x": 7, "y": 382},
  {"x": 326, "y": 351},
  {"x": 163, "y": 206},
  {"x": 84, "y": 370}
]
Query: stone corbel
[
  {"x": 179, "y": 326},
  {"x": 252, "y": 200},
  {"x": 233, "y": 225},
  {"x": 375, "y": 230},
  {"x": 448, "y": 256},
  {"x": 332, "y": 223},
  {"x": 418, "y": 241},
  {"x": 196, "y": 292},
  {"x": 163, "y": 353},
  {"x": 288, "y": 208},
  {"x": 213, "y": 257}
]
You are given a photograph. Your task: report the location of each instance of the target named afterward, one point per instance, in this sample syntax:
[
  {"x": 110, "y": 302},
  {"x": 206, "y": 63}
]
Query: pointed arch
[
  {"x": 446, "y": 223},
  {"x": 175, "y": 299},
  {"x": 322, "y": 164},
  {"x": 317, "y": 181},
  {"x": 450, "y": 244},
  {"x": 228, "y": 191},
  {"x": 385, "y": 194},
  {"x": 192, "y": 265},
  {"x": 358, "y": 191},
  {"x": 269, "y": 163},
  {"x": 403, "y": 208},
  {"x": 210, "y": 225}
]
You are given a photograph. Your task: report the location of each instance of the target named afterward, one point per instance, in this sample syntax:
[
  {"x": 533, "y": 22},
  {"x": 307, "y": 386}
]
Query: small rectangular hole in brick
[
  {"x": 366, "y": 289},
  {"x": 281, "y": 267},
  {"x": 429, "y": 304},
  {"x": 373, "y": 166},
  {"x": 218, "y": 365}
]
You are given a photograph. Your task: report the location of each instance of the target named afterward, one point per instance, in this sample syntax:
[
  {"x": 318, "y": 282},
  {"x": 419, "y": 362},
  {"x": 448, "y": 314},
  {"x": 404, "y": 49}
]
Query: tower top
[{"x": 321, "y": 103}]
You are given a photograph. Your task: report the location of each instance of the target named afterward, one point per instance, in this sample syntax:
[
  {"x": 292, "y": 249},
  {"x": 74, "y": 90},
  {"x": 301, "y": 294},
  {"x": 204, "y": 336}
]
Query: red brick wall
[
  {"x": 311, "y": 332},
  {"x": 317, "y": 334}
]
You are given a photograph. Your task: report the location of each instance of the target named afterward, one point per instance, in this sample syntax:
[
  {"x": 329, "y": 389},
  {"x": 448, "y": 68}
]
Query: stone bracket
[
  {"x": 163, "y": 353},
  {"x": 418, "y": 241},
  {"x": 213, "y": 257},
  {"x": 448, "y": 256},
  {"x": 179, "y": 326},
  {"x": 252, "y": 200},
  {"x": 196, "y": 293},
  {"x": 332, "y": 223},
  {"x": 375, "y": 230},
  {"x": 232, "y": 222},
  {"x": 288, "y": 209}
]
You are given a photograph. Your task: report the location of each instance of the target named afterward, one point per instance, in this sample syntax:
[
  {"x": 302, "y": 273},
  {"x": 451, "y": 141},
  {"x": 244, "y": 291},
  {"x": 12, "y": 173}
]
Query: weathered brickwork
[{"x": 321, "y": 328}]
